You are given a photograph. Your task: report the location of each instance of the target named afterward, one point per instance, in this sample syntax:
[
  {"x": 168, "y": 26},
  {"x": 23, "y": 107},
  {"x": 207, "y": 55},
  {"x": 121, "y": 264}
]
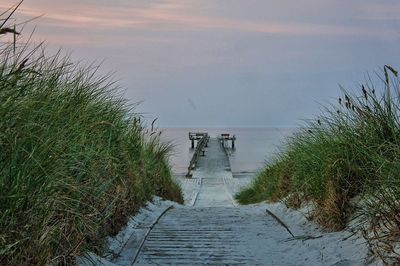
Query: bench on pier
[
  {"x": 197, "y": 136},
  {"x": 226, "y": 137}
]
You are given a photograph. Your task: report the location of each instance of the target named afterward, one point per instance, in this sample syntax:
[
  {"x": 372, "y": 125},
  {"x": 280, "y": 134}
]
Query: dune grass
[
  {"x": 351, "y": 153},
  {"x": 75, "y": 159}
]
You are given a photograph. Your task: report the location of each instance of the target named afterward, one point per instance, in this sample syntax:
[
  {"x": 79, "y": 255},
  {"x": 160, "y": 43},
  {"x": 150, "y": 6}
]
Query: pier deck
[{"x": 214, "y": 171}]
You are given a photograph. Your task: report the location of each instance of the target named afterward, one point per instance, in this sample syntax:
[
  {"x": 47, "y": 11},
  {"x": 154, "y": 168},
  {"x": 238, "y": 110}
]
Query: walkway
[{"x": 213, "y": 230}]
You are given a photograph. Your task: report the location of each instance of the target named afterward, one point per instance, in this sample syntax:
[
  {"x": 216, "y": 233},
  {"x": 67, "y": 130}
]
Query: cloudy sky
[{"x": 247, "y": 63}]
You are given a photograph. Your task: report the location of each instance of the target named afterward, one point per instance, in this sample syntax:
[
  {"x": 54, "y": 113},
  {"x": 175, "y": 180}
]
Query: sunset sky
[{"x": 248, "y": 63}]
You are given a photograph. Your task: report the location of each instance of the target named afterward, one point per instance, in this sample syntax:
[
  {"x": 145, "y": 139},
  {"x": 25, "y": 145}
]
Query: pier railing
[{"x": 202, "y": 141}]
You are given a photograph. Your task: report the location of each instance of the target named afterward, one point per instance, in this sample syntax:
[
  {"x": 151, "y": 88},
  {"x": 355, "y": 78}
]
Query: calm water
[{"x": 254, "y": 146}]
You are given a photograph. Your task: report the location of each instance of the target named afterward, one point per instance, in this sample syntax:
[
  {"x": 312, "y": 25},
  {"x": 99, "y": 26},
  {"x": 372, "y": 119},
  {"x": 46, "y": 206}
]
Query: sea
[{"x": 254, "y": 147}]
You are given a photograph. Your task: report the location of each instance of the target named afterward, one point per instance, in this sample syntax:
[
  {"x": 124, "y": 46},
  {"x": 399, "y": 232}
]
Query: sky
[{"x": 224, "y": 63}]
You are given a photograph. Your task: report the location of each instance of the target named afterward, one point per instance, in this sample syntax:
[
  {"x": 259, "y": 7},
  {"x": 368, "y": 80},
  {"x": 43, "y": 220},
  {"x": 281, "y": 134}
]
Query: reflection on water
[{"x": 254, "y": 146}]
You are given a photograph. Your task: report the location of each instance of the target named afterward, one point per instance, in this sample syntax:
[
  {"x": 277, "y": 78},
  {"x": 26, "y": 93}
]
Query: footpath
[{"x": 212, "y": 229}]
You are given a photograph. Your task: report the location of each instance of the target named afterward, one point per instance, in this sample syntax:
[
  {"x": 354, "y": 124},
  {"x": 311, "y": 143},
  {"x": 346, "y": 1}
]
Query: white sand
[
  {"x": 212, "y": 229},
  {"x": 260, "y": 238}
]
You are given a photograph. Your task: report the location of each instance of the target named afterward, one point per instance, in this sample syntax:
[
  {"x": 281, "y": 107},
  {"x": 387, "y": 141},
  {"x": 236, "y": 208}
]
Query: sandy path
[{"x": 212, "y": 229}]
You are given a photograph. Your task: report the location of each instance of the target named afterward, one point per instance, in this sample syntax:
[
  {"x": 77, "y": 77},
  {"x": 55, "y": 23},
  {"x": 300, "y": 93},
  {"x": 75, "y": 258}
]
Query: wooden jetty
[{"x": 202, "y": 139}]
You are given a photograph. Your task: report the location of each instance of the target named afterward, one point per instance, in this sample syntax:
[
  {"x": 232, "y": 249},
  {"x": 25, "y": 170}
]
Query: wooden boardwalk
[
  {"x": 212, "y": 235},
  {"x": 214, "y": 171},
  {"x": 208, "y": 231},
  {"x": 213, "y": 230}
]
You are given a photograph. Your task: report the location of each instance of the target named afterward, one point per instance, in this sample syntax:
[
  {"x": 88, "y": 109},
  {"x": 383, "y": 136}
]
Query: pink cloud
[{"x": 173, "y": 16}]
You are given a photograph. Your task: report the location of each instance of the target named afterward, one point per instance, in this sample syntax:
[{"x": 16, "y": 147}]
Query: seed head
[
  {"x": 365, "y": 93},
  {"x": 8, "y": 30}
]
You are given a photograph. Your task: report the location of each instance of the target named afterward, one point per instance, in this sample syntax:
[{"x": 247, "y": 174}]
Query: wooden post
[{"x": 192, "y": 143}]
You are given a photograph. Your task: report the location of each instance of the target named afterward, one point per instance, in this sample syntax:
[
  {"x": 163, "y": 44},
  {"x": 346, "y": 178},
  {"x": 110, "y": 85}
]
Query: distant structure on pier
[{"x": 225, "y": 137}]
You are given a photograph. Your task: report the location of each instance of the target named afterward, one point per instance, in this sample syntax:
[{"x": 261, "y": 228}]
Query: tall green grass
[
  {"x": 349, "y": 154},
  {"x": 75, "y": 160}
]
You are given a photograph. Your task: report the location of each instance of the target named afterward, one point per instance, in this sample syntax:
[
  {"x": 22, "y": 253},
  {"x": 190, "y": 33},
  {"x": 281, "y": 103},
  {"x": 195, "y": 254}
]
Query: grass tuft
[
  {"x": 349, "y": 152},
  {"x": 75, "y": 159}
]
